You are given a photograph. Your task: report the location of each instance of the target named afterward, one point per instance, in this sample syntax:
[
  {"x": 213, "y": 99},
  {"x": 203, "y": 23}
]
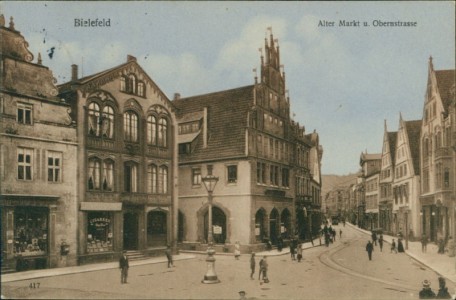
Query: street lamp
[{"x": 209, "y": 182}]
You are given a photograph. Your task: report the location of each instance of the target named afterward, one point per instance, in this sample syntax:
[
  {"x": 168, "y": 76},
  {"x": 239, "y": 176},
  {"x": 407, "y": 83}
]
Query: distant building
[
  {"x": 386, "y": 180},
  {"x": 369, "y": 186},
  {"x": 38, "y": 147},
  {"x": 127, "y": 163},
  {"x": 437, "y": 155},
  {"x": 248, "y": 139},
  {"x": 406, "y": 183}
]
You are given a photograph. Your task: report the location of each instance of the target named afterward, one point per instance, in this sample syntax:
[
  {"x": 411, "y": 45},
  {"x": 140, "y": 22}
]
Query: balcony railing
[{"x": 96, "y": 142}]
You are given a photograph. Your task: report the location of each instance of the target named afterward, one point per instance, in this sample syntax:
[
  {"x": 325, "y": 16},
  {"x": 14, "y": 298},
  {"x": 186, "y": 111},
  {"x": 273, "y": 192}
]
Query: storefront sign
[
  {"x": 217, "y": 229},
  {"x": 99, "y": 222}
]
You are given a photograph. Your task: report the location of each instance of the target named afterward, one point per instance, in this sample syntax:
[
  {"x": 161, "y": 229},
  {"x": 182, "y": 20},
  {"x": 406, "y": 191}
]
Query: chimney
[
  {"x": 130, "y": 58},
  {"x": 74, "y": 72},
  {"x": 177, "y": 96}
]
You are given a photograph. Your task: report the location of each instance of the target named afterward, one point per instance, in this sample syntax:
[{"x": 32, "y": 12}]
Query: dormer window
[
  {"x": 130, "y": 84},
  {"x": 123, "y": 85},
  {"x": 141, "y": 89}
]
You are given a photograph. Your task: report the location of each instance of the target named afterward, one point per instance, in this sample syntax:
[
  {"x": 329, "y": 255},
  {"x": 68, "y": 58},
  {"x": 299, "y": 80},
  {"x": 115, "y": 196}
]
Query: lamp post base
[{"x": 210, "y": 276}]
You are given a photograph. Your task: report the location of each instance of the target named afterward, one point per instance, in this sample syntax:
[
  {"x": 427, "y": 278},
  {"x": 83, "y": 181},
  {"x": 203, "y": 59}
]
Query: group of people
[
  {"x": 263, "y": 272},
  {"x": 428, "y": 293},
  {"x": 329, "y": 234},
  {"x": 394, "y": 248}
]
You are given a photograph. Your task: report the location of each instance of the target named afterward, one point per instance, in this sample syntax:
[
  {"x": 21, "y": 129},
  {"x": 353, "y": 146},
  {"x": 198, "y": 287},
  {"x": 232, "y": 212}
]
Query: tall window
[
  {"x": 162, "y": 132},
  {"x": 94, "y": 174},
  {"x": 196, "y": 176},
  {"x": 232, "y": 174},
  {"x": 24, "y": 164},
  {"x": 163, "y": 180},
  {"x": 261, "y": 172},
  {"x": 151, "y": 130},
  {"x": 152, "y": 179},
  {"x": 141, "y": 89},
  {"x": 24, "y": 113},
  {"x": 132, "y": 84},
  {"x": 107, "y": 123},
  {"x": 108, "y": 175},
  {"x": 426, "y": 181},
  {"x": 285, "y": 177},
  {"x": 54, "y": 166},
  {"x": 123, "y": 86},
  {"x": 446, "y": 177},
  {"x": 94, "y": 119},
  {"x": 130, "y": 126},
  {"x": 130, "y": 178}
]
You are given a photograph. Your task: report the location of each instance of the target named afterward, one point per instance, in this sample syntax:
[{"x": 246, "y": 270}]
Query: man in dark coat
[
  {"x": 369, "y": 249},
  {"x": 169, "y": 256},
  {"x": 374, "y": 238},
  {"x": 443, "y": 290},
  {"x": 252, "y": 265},
  {"x": 380, "y": 242},
  {"x": 123, "y": 266}
]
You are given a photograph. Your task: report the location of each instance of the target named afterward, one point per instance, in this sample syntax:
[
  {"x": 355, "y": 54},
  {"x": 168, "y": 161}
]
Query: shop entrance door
[{"x": 130, "y": 231}]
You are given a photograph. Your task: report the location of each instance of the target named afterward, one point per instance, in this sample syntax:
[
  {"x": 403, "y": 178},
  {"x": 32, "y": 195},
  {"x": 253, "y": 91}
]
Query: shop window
[
  {"x": 99, "y": 232},
  {"x": 24, "y": 113},
  {"x": 54, "y": 166},
  {"x": 24, "y": 164},
  {"x": 30, "y": 231},
  {"x": 196, "y": 176},
  {"x": 232, "y": 174}
]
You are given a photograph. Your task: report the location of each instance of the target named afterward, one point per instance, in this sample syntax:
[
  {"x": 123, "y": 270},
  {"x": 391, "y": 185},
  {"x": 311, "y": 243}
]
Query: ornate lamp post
[{"x": 209, "y": 182}]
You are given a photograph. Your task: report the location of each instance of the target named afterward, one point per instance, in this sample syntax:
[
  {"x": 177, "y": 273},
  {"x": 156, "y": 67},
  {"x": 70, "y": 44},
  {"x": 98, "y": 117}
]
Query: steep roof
[
  {"x": 445, "y": 81},
  {"x": 227, "y": 113},
  {"x": 392, "y": 137},
  {"x": 413, "y": 133}
]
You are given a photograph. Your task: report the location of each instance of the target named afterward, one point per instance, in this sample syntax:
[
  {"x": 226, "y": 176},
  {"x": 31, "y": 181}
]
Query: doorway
[{"x": 130, "y": 231}]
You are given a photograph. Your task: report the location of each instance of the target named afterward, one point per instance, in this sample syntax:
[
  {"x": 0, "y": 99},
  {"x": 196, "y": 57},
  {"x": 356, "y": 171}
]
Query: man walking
[
  {"x": 424, "y": 242},
  {"x": 369, "y": 249},
  {"x": 380, "y": 242},
  {"x": 252, "y": 265},
  {"x": 374, "y": 238},
  {"x": 123, "y": 265},
  {"x": 169, "y": 256},
  {"x": 264, "y": 269},
  {"x": 393, "y": 246}
]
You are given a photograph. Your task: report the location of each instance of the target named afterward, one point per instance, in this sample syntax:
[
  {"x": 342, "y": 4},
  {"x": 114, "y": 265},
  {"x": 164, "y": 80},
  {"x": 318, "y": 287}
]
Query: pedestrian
[
  {"x": 242, "y": 295},
  {"x": 424, "y": 242},
  {"x": 340, "y": 233},
  {"x": 369, "y": 249},
  {"x": 374, "y": 238},
  {"x": 426, "y": 292},
  {"x": 237, "y": 250},
  {"x": 400, "y": 246},
  {"x": 443, "y": 290},
  {"x": 380, "y": 242},
  {"x": 292, "y": 249},
  {"x": 264, "y": 269},
  {"x": 280, "y": 244},
  {"x": 169, "y": 256},
  {"x": 393, "y": 246},
  {"x": 333, "y": 232},
  {"x": 252, "y": 265},
  {"x": 441, "y": 246},
  {"x": 123, "y": 266},
  {"x": 299, "y": 251}
]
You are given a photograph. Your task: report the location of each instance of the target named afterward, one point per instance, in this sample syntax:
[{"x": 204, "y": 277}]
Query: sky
[{"x": 344, "y": 82}]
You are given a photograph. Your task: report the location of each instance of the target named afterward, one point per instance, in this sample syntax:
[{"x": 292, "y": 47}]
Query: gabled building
[
  {"x": 437, "y": 156},
  {"x": 38, "y": 170},
  {"x": 406, "y": 183},
  {"x": 369, "y": 181},
  {"x": 127, "y": 162},
  {"x": 246, "y": 137},
  {"x": 386, "y": 199}
]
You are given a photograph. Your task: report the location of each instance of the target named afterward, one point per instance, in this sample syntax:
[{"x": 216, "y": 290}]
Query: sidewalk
[
  {"x": 440, "y": 263},
  {"x": 85, "y": 268}
]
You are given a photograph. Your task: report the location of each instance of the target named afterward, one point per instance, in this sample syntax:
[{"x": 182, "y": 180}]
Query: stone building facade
[
  {"x": 38, "y": 167},
  {"x": 127, "y": 163},
  {"x": 247, "y": 137}
]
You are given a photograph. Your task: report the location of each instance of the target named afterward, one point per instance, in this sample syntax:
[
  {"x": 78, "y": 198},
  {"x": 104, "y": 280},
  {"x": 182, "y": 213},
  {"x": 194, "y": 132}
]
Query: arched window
[
  {"x": 141, "y": 91},
  {"x": 132, "y": 84},
  {"x": 94, "y": 119},
  {"x": 152, "y": 179},
  {"x": 130, "y": 126},
  {"x": 107, "y": 123},
  {"x": 163, "y": 180},
  {"x": 162, "y": 132},
  {"x": 123, "y": 85},
  {"x": 93, "y": 174},
  {"x": 151, "y": 130}
]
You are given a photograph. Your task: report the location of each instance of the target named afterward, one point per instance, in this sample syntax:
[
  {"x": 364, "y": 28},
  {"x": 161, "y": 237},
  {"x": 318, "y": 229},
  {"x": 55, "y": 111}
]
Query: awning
[
  {"x": 187, "y": 138},
  {"x": 103, "y": 206}
]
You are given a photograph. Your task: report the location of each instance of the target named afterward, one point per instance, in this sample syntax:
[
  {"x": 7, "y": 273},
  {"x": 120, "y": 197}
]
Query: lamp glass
[{"x": 209, "y": 182}]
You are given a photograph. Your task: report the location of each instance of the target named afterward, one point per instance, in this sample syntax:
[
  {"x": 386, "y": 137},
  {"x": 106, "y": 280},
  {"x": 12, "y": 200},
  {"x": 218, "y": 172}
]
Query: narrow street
[{"x": 341, "y": 271}]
